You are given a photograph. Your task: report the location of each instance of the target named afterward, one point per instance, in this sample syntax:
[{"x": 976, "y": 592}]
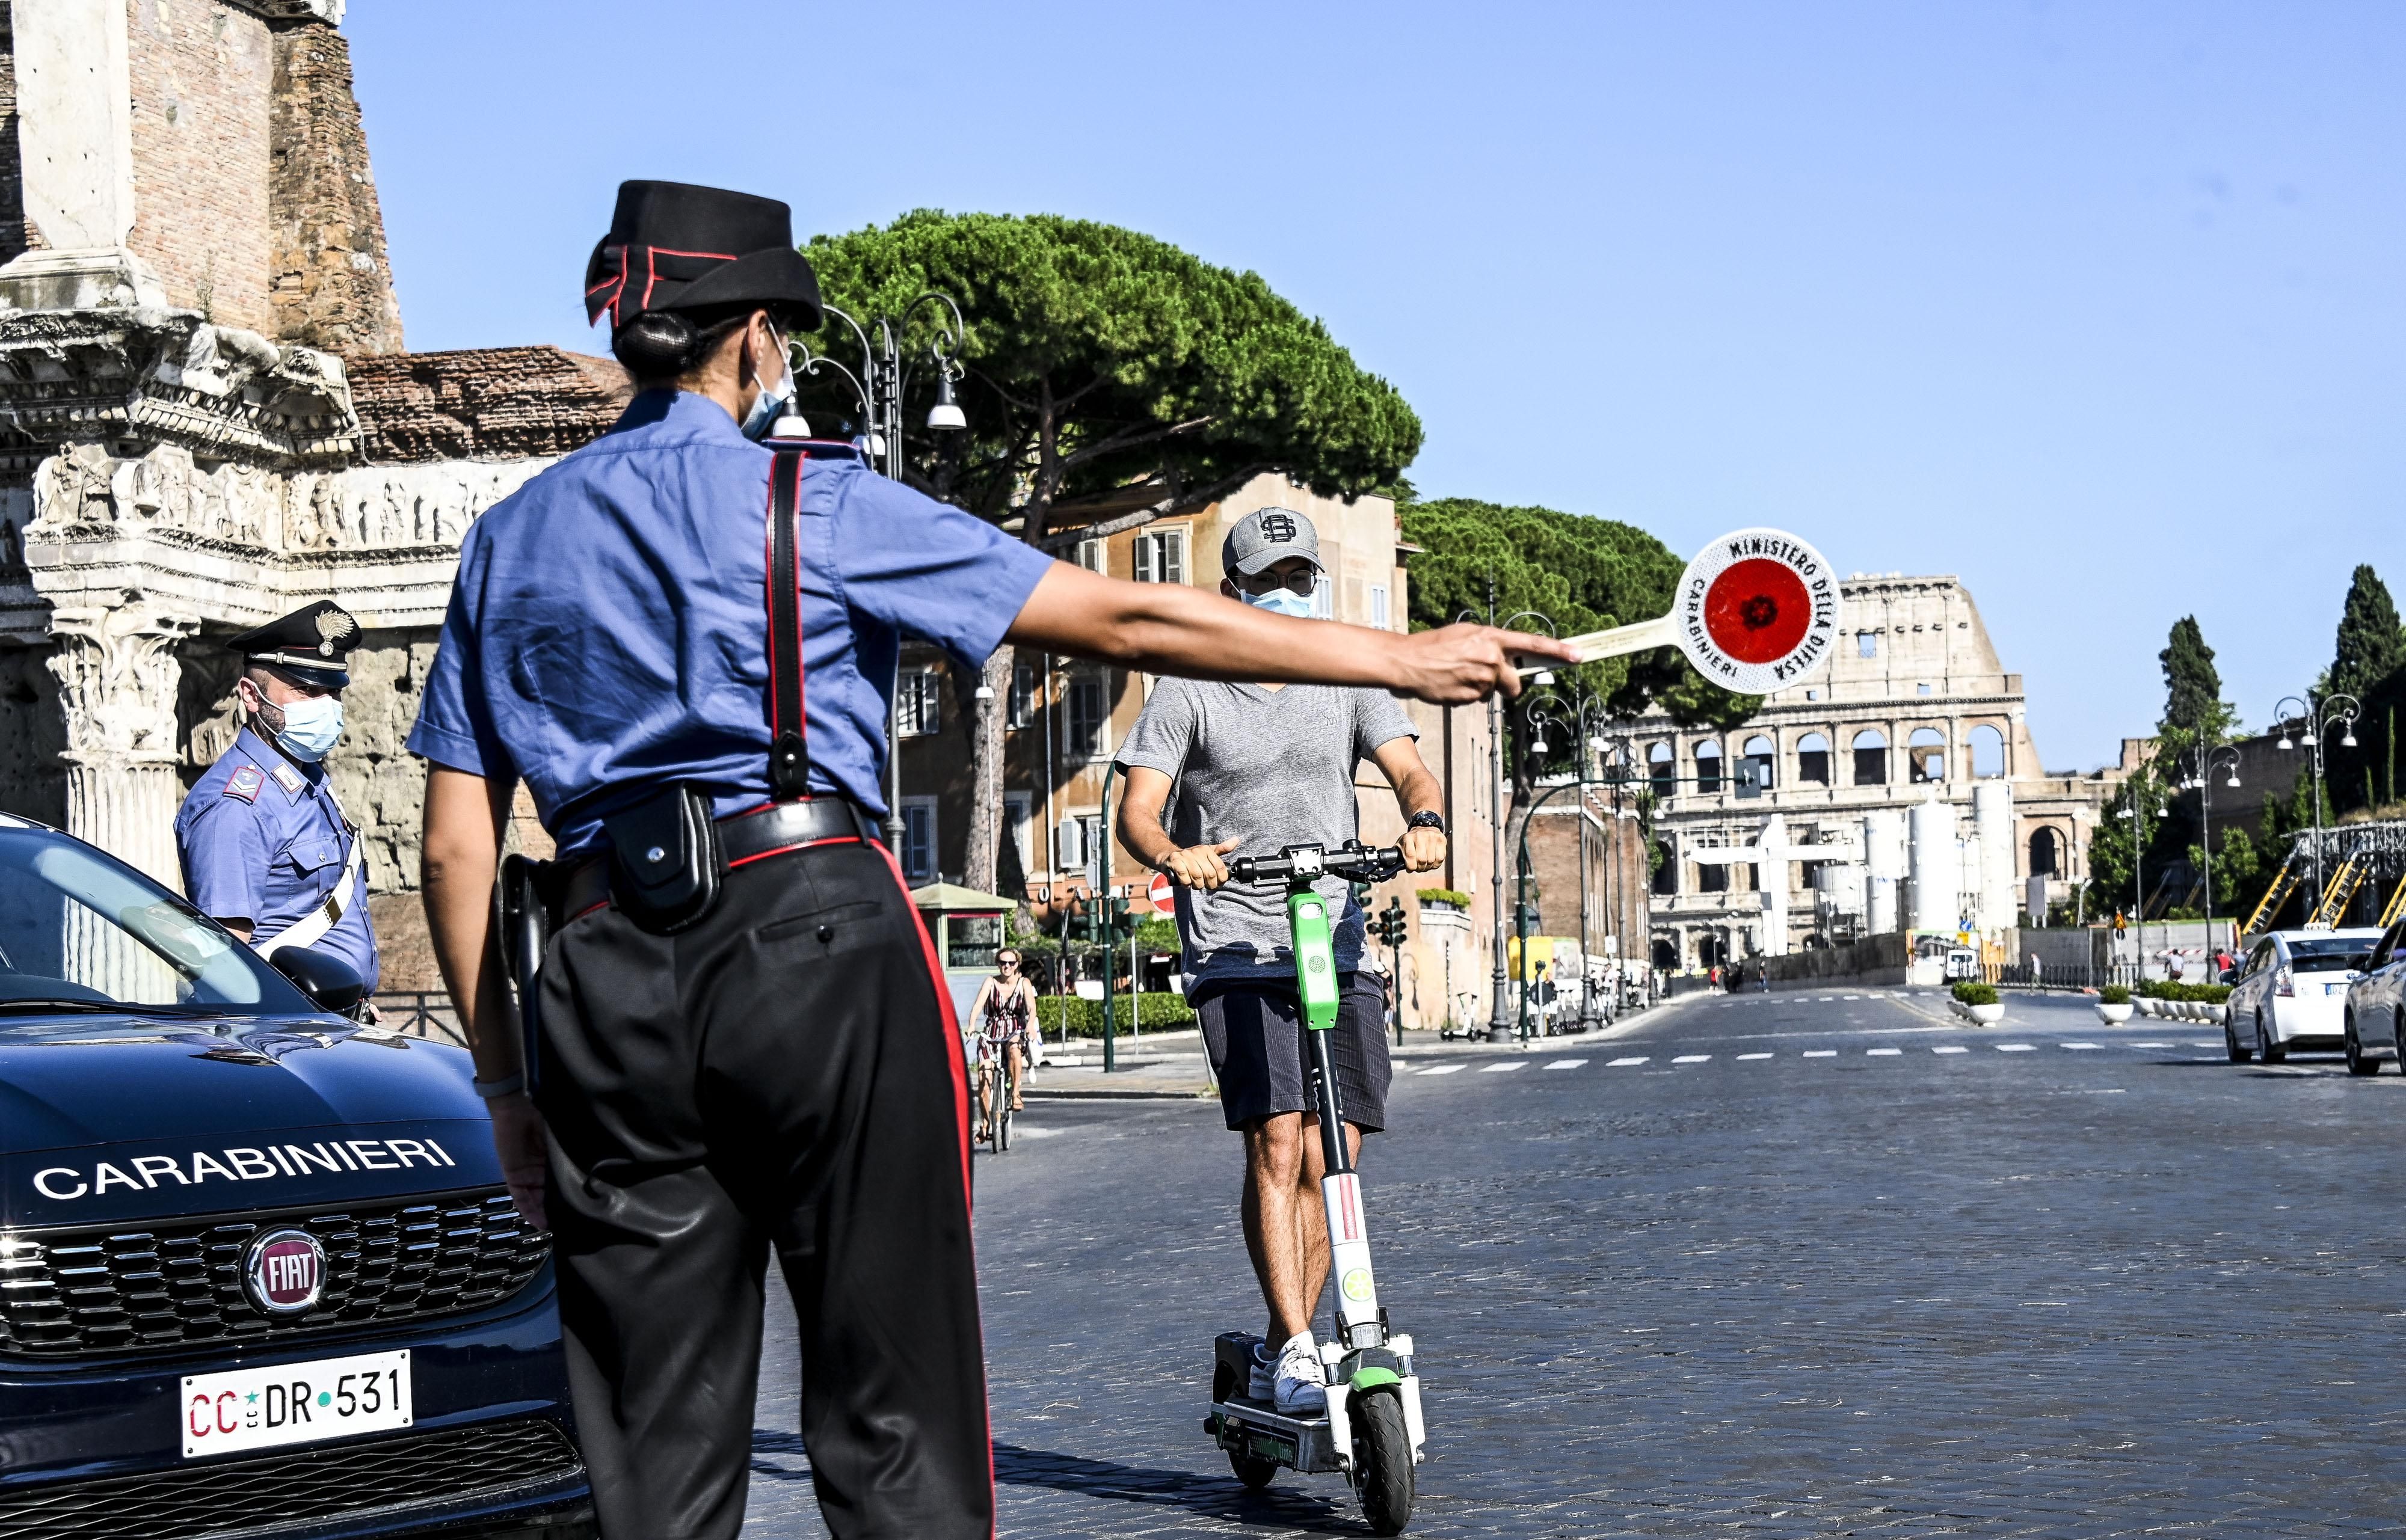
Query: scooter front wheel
[{"x": 1382, "y": 1453}]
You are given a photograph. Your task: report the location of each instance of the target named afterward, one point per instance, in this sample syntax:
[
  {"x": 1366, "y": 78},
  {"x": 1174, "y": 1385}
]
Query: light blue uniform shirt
[
  {"x": 608, "y": 629},
  {"x": 261, "y": 840}
]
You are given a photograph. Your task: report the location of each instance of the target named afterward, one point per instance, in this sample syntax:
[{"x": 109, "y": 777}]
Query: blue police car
[{"x": 258, "y": 1272}]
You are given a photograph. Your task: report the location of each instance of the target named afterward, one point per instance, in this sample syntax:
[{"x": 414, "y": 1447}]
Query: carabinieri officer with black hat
[
  {"x": 682, "y": 640},
  {"x": 266, "y": 849}
]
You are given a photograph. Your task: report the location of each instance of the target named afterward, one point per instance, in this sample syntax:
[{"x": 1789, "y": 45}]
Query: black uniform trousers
[{"x": 786, "y": 1073}]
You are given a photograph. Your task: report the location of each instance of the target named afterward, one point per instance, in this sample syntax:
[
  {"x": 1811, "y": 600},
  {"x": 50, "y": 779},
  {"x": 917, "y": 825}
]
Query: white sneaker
[
  {"x": 1298, "y": 1386},
  {"x": 1263, "y": 1379}
]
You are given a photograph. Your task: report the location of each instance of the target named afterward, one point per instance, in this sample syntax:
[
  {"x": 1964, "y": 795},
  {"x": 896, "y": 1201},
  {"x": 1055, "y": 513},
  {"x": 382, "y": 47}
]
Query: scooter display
[{"x": 1372, "y": 1432}]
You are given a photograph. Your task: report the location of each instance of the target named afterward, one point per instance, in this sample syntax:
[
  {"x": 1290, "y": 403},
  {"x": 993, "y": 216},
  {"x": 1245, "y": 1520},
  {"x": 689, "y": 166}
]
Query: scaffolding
[{"x": 2360, "y": 862}]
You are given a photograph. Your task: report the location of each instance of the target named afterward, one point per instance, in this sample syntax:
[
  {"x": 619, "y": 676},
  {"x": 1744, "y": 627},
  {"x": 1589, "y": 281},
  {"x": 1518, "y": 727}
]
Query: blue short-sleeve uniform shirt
[
  {"x": 261, "y": 840},
  {"x": 608, "y": 628}
]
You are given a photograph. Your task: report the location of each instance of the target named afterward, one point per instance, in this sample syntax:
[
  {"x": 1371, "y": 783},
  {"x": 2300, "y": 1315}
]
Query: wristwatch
[{"x": 1426, "y": 820}]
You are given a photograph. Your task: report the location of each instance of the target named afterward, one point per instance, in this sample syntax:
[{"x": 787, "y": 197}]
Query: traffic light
[
  {"x": 2120, "y": 924},
  {"x": 1387, "y": 926}
]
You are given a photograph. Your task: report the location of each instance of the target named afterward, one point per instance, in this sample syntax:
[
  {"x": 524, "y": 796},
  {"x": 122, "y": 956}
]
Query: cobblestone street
[{"x": 1783, "y": 1264}]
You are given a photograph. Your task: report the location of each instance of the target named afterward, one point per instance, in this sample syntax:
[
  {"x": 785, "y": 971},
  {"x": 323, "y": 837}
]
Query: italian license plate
[{"x": 295, "y": 1403}]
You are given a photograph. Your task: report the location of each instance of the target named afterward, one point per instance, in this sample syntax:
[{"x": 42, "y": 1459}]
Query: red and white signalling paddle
[{"x": 1755, "y": 611}]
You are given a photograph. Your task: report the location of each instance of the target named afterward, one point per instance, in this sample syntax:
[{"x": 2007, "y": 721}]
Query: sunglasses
[{"x": 1302, "y": 581}]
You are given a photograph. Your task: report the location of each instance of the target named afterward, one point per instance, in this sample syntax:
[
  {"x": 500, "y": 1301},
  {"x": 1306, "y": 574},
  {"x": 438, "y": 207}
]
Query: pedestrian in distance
[
  {"x": 742, "y": 1040},
  {"x": 265, "y": 847},
  {"x": 1253, "y": 768}
]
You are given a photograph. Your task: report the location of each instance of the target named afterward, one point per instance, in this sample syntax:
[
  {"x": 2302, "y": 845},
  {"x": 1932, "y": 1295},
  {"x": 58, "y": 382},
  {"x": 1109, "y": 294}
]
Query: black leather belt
[{"x": 746, "y": 837}]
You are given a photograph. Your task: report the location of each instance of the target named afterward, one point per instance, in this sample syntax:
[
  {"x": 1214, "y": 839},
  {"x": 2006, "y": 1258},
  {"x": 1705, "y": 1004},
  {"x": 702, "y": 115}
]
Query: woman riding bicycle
[{"x": 1005, "y": 1017}]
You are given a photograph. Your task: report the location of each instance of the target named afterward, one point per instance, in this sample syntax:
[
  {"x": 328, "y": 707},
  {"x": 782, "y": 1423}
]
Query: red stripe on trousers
[{"x": 960, "y": 1112}]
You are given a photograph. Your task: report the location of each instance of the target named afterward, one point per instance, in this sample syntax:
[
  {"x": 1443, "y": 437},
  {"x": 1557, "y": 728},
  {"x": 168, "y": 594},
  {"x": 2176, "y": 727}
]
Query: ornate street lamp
[
  {"x": 2317, "y": 718},
  {"x": 880, "y": 386},
  {"x": 2208, "y": 758},
  {"x": 1584, "y": 718},
  {"x": 1499, "y": 1024}
]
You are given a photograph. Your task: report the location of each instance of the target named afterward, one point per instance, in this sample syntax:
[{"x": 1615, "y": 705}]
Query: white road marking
[
  {"x": 1854, "y": 996},
  {"x": 1444, "y": 1070},
  {"x": 1619, "y": 1063},
  {"x": 2208, "y": 1045},
  {"x": 2015, "y": 1048},
  {"x": 1691, "y": 1058},
  {"x": 1829, "y": 999},
  {"x": 2078, "y": 1048},
  {"x": 1950, "y": 1047},
  {"x": 1503, "y": 1069},
  {"x": 1882, "y": 1053},
  {"x": 1567, "y": 1063},
  {"x": 2154, "y": 1045},
  {"x": 1745, "y": 1056},
  {"x": 1821, "y": 1052},
  {"x": 1021, "y": 1131}
]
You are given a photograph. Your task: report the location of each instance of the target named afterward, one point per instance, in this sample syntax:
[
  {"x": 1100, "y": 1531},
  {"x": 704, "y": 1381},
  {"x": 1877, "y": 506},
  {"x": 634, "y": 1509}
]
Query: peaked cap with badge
[
  {"x": 313, "y": 645},
  {"x": 675, "y": 247}
]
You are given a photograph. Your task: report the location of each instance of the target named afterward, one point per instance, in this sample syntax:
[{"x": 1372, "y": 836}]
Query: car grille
[
  {"x": 66, "y": 1294},
  {"x": 413, "y": 1473}
]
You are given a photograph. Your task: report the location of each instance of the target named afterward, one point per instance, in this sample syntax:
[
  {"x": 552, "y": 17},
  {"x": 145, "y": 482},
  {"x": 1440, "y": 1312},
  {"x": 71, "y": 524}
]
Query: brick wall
[
  {"x": 201, "y": 72},
  {"x": 485, "y": 403},
  {"x": 333, "y": 276}
]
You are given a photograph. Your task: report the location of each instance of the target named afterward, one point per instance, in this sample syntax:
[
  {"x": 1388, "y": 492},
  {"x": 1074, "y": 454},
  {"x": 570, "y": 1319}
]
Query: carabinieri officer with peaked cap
[
  {"x": 266, "y": 849},
  {"x": 683, "y": 640}
]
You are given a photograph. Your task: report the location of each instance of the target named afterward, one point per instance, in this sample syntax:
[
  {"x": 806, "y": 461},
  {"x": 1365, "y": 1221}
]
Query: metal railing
[
  {"x": 2072, "y": 976},
  {"x": 421, "y": 1013}
]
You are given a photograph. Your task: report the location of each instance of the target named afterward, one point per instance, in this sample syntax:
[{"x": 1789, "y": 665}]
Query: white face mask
[
  {"x": 1280, "y": 600},
  {"x": 769, "y": 404}
]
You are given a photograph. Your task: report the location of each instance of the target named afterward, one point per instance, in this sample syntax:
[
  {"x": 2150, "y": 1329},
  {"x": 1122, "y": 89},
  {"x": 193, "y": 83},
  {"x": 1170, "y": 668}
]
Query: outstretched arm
[{"x": 1167, "y": 628}]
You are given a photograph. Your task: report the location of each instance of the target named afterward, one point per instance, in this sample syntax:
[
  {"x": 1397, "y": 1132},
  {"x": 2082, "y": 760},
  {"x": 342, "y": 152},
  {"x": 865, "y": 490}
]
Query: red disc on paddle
[{"x": 1757, "y": 610}]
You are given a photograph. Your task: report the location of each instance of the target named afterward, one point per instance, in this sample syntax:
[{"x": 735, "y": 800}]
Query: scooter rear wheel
[
  {"x": 1383, "y": 1452},
  {"x": 1255, "y": 1474}
]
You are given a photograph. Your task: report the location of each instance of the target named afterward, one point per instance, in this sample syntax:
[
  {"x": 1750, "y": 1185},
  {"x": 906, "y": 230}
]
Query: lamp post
[
  {"x": 2138, "y": 885},
  {"x": 1499, "y": 1023},
  {"x": 2318, "y": 717},
  {"x": 885, "y": 375},
  {"x": 2210, "y": 757},
  {"x": 1588, "y": 714}
]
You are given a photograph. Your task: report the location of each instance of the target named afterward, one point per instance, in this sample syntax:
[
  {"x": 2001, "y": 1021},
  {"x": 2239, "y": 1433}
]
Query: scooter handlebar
[{"x": 1355, "y": 862}]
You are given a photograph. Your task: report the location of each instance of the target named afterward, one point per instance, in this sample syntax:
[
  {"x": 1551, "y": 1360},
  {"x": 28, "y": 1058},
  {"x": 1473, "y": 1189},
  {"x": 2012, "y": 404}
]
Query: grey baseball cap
[{"x": 1268, "y": 536}]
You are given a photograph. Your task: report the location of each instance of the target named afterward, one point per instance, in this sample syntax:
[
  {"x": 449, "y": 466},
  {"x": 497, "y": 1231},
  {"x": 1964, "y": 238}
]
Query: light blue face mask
[
  {"x": 768, "y": 406},
  {"x": 1280, "y": 600},
  {"x": 312, "y": 728}
]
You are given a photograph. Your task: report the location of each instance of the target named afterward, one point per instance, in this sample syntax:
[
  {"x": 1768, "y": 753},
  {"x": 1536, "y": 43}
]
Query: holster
[
  {"x": 528, "y": 903},
  {"x": 666, "y": 864}
]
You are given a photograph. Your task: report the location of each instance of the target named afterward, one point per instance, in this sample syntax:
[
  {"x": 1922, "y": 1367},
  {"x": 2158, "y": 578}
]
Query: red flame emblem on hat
[{"x": 1757, "y": 610}]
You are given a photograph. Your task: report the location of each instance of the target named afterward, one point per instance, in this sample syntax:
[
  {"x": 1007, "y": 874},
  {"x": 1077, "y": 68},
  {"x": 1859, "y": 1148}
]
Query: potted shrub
[
  {"x": 1444, "y": 899},
  {"x": 1978, "y": 1003},
  {"x": 2114, "y": 1004}
]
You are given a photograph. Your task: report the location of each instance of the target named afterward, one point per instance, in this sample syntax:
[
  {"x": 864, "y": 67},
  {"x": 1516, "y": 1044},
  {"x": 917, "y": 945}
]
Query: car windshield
[{"x": 79, "y": 928}]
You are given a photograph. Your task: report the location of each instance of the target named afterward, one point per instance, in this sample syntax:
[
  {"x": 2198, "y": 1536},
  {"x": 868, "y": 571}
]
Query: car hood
[{"x": 107, "y": 1118}]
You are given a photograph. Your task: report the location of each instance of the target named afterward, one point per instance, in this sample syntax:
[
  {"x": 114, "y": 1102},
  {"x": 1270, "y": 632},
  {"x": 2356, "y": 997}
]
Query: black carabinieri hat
[
  {"x": 313, "y": 645},
  {"x": 674, "y": 247}
]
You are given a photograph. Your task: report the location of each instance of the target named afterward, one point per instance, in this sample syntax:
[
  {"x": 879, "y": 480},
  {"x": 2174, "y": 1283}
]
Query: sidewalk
[{"x": 1171, "y": 1065}]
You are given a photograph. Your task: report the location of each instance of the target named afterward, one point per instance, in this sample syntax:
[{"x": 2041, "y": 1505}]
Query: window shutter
[{"x": 1145, "y": 559}]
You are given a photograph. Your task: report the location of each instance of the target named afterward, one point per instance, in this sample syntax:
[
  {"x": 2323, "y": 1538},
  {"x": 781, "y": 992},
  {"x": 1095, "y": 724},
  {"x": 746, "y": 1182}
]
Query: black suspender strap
[{"x": 789, "y": 755}]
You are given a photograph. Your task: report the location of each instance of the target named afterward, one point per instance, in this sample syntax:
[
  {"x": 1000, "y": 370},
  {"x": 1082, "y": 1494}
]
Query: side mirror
[{"x": 331, "y": 983}]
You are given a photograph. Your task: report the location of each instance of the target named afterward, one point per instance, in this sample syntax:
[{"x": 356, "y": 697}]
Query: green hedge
[
  {"x": 1162, "y": 1013},
  {"x": 1974, "y": 993},
  {"x": 1443, "y": 896},
  {"x": 2161, "y": 989},
  {"x": 2114, "y": 994}
]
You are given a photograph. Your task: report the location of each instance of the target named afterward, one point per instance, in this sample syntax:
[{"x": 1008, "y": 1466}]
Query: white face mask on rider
[
  {"x": 307, "y": 729},
  {"x": 1280, "y": 600}
]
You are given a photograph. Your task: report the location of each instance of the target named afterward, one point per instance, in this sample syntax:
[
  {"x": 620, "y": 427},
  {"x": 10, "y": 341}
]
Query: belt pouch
[{"x": 666, "y": 865}]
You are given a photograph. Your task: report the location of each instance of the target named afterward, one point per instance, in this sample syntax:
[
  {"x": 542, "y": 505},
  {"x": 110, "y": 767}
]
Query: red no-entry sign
[{"x": 1160, "y": 891}]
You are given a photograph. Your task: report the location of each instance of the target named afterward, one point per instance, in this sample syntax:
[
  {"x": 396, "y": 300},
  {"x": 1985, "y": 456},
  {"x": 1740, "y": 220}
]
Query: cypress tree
[
  {"x": 2370, "y": 645},
  {"x": 2192, "y": 688}
]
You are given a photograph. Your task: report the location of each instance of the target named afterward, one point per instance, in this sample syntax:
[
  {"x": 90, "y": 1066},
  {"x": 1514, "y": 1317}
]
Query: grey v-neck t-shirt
[{"x": 1272, "y": 769}]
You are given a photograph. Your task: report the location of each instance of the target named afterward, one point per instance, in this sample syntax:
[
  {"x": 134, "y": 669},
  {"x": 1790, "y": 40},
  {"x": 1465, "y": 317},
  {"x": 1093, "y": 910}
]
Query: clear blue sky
[{"x": 2100, "y": 306}]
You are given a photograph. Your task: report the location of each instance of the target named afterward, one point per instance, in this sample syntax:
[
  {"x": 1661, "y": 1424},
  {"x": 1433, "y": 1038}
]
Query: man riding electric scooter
[{"x": 1258, "y": 767}]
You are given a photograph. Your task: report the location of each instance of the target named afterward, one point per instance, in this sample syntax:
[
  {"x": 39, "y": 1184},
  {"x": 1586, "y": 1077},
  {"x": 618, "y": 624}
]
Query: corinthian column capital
[{"x": 118, "y": 673}]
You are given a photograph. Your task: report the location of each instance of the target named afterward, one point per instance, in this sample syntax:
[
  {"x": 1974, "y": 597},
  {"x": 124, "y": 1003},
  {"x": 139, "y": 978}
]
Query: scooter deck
[{"x": 1242, "y": 1425}]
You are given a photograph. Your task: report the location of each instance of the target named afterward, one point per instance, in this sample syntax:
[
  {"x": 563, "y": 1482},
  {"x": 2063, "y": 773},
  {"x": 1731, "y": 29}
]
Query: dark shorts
[{"x": 1253, "y": 1032}]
